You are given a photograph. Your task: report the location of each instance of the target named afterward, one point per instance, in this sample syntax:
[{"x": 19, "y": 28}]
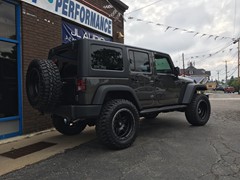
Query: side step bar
[{"x": 163, "y": 109}]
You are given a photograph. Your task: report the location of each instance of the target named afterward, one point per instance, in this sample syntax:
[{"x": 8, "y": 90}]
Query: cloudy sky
[{"x": 211, "y": 17}]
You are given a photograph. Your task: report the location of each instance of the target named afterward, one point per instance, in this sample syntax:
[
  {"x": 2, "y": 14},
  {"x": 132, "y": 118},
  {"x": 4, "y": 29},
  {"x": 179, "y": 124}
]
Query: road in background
[{"x": 166, "y": 148}]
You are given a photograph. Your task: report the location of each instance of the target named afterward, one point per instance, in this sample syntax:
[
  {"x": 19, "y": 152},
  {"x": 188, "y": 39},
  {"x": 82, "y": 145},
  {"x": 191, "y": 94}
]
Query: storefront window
[
  {"x": 8, "y": 80},
  {"x": 7, "y": 20}
]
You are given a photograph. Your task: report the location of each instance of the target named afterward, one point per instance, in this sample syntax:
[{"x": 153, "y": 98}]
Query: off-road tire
[
  {"x": 118, "y": 124},
  {"x": 199, "y": 110},
  {"x": 43, "y": 85},
  {"x": 152, "y": 115},
  {"x": 66, "y": 127}
]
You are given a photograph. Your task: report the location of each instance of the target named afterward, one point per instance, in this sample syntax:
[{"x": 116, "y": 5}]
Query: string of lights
[
  {"x": 223, "y": 52},
  {"x": 208, "y": 55},
  {"x": 173, "y": 28},
  {"x": 115, "y": 14}
]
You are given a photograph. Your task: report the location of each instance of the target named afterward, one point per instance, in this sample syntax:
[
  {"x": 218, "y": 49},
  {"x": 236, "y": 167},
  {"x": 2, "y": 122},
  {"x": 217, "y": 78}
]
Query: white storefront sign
[{"x": 77, "y": 12}]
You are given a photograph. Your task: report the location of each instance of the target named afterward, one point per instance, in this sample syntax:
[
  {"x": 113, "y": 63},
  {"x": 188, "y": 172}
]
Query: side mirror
[{"x": 176, "y": 71}]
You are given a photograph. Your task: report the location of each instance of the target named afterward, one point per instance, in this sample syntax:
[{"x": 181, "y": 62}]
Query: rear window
[
  {"x": 66, "y": 61},
  {"x": 106, "y": 58}
]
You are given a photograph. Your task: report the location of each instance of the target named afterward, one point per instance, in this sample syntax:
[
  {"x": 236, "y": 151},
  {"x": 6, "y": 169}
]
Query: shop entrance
[{"x": 10, "y": 70}]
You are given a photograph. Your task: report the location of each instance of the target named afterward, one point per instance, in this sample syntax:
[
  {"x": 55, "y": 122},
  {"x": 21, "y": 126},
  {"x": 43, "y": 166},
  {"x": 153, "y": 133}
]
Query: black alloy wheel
[
  {"x": 118, "y": 124},
  {"x": 202, "y": 109},
  {"x": 123, "y": 123}
]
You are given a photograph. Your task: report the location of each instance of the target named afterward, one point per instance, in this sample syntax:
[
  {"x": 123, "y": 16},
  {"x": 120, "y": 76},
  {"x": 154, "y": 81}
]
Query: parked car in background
[
  {"x": 229, "y": 89},
  {"x": 219, "y": 88}
]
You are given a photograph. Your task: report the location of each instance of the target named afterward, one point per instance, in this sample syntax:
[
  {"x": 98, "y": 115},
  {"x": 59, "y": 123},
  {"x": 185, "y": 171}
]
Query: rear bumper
[{"x": 78, "y": 111}]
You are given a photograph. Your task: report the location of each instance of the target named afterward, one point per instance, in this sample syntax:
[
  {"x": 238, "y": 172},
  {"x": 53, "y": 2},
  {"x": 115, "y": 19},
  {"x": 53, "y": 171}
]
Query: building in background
[
  {"x": 212, "y": 85},
  {"x": 28, "y": 29},
  {"x": 200, "y": 76}
]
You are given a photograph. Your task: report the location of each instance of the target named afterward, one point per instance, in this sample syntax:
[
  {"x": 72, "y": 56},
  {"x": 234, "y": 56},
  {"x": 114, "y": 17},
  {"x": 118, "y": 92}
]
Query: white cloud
[{"x": 214, "y": 17}]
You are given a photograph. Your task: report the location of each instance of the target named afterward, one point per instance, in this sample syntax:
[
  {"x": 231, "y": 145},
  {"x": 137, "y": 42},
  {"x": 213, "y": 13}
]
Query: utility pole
[
  {"x": 183, "y": 64},
  {"x": 238, "y": 41},
  {"x": 226, "y": 73},
  {"x": 238, "y": 65},
  {"x": 238, "y": 57},
  {"x": 218, "y": 75}
]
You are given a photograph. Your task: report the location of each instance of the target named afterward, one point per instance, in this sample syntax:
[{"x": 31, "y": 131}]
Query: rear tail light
[
  {"x": 55, "y": 61},
  {"x": 81, "y": 85}
]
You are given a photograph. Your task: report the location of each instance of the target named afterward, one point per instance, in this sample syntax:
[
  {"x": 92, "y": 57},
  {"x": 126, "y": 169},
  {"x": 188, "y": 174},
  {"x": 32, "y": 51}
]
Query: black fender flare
[
  {"x": 190, "y": 90},
  {"x": 102, "y": 91}
]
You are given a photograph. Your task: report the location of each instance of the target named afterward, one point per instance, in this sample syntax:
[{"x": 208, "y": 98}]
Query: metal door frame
[{"x": 19, "y": 69}]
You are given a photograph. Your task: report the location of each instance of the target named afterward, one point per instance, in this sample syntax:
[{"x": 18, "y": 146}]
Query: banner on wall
[
  {"x": 77, "y": 12},
  {"x": 71, "y": 32}
]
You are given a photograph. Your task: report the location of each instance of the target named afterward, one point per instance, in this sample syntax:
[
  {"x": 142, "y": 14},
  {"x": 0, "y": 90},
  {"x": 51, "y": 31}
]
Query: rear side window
[
  {"x": 67, "y": 61},
  {"x": 139, "y": 61},
  {"x": 106, "y": 58}
]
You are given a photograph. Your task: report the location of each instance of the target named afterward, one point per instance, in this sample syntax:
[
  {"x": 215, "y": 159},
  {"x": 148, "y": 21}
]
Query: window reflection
[
  {"x": 162, "y": 65},
  {"x": 7, "y": 20},
  {"x": 139, "y": 61},
  {"x": 8, "y": 80},
  {"x": 106, "y": 58}
]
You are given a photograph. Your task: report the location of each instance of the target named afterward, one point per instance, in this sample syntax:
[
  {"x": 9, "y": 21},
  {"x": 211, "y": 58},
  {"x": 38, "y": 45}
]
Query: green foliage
[{"x": 234, "y": 82}]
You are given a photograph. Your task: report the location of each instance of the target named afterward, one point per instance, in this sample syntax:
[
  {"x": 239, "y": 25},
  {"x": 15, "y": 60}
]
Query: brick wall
[
  {"x": 118, "y": 25},
  {"x": 41, "y": 31}
]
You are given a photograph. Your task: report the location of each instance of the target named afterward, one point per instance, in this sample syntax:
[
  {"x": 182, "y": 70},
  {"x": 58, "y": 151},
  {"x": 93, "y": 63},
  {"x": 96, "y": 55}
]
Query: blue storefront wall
[{"x": 12, "y": 125}]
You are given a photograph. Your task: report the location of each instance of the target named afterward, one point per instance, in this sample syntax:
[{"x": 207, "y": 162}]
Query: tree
[
  {"x": 230, "y": 82},
  {"x": 235, "y": 82}
]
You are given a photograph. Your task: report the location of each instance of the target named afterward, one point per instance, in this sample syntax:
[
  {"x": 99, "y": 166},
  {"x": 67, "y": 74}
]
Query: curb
[{"x": 18, "y": 138}]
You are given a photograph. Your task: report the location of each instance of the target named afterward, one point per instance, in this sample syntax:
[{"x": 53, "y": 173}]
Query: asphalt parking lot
[{"x": 166, "y": 148}]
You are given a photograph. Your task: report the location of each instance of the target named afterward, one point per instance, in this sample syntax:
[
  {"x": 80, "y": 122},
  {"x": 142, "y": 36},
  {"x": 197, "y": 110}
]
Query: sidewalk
[
  {"x": 224, "y": 96},
  {"x": 18, "y": 152}
]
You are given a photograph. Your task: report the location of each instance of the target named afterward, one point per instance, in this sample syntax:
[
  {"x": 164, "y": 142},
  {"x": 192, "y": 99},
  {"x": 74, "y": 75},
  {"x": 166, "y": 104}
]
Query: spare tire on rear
[{"x": 43, "y": 85}]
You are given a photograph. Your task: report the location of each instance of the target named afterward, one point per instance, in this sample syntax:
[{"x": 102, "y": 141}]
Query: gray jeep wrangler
[{"x": 111, "y": 85}]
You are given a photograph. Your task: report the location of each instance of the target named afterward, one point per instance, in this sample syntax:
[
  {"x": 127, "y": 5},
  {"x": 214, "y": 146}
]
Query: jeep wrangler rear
[{"x": 111, "y": 85}]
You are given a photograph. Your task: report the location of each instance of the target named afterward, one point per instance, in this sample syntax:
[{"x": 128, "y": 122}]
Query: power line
[
  {"x": 207, "y": 55},
  {"x": 143, "y": 7},
  {"x": 235, "y": 69},
  {"x": 216, "y": 52},
  {"x": 231, "y": 60},
  {"x": 221, "y": 72},
  {"x": 205, "y": 52}
]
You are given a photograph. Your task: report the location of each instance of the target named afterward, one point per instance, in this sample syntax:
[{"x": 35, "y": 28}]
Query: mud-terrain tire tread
[
  {"x": 104, "y": 124},
  {"x": 50, "y": 85},
  {"x": 191, "y": 112}
]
